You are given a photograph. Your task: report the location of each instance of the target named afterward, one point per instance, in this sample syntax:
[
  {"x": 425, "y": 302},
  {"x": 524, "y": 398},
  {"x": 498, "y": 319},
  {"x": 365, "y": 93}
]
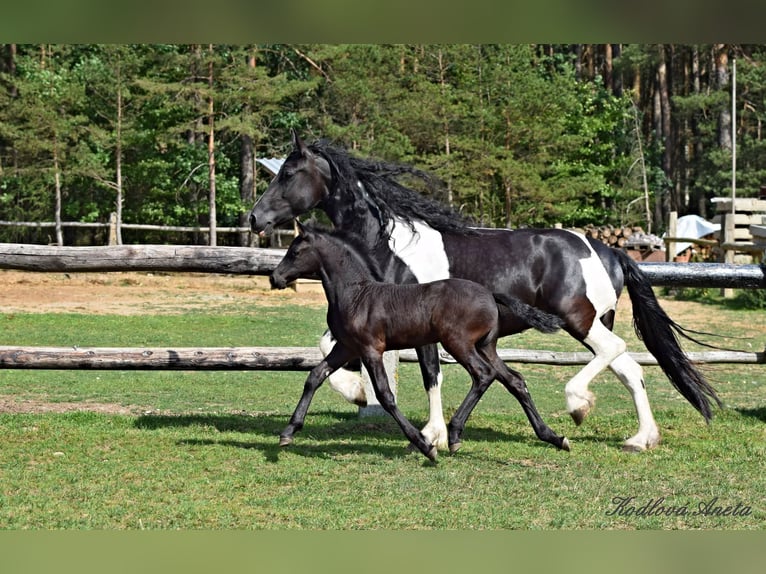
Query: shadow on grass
[
  {"x": 330, "y": 434},
  {"x": 757, "y": 413}
]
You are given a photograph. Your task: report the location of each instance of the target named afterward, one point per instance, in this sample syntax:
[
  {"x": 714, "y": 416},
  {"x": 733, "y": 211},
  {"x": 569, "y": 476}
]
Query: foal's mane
[
  {"x": 352, "y": 242},
  {"x": 386, "y": 194}
]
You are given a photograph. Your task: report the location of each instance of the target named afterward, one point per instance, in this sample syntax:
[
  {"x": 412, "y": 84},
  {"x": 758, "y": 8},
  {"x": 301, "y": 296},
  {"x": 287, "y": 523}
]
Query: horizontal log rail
[
  {"x": 259, "y": 261},
  {"x": 178, "y": 258},
  {"x": 277, "y": 358}
]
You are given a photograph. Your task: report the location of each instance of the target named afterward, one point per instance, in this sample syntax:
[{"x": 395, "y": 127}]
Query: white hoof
[
  {"x": 436, "y": 435},
  {"x": 640, "y": 443}
]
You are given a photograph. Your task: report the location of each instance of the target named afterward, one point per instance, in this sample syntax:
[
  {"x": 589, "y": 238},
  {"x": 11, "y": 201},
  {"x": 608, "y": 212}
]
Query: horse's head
[
  {"x": 302, "y": 260},
  {"x": 301, "y": 184}
]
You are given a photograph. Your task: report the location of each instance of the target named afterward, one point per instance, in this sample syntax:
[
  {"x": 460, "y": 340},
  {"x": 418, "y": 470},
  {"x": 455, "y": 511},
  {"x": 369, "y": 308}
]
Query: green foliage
[
  {"x": 518, "y": 133},
  {"x": 749, "y": 299}
]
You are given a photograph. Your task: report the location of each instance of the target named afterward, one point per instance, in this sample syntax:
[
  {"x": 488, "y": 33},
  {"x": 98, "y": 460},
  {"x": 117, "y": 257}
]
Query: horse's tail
[
  {"x": 532, "y": 316},
  {"x": 660, "y": 335}
]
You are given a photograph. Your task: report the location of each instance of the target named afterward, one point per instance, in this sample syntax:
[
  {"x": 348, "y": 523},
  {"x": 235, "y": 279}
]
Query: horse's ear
[
  {"x": 302, "y": 229},
  {"x": 299, "y": 145}
]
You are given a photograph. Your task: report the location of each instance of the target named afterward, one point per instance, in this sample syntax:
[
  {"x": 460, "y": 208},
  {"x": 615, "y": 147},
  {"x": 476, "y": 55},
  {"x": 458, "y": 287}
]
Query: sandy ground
[
  {"x": 134, "y": 293},
  {"x": 130, "y": 293}
]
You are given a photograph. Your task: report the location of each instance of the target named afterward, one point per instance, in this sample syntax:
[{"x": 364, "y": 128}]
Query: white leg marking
[
  {"x": 435, "y": 431},
  {"x": 632, "y": 376},
  {"x": 605, "y": 344},
  {"x": 606, "y": 347},
  {"x": 348, "y": 383}
]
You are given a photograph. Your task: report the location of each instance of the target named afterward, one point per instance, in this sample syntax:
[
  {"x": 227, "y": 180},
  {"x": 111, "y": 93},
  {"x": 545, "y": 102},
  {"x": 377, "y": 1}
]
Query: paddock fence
[{"x": 261, "y": 261}]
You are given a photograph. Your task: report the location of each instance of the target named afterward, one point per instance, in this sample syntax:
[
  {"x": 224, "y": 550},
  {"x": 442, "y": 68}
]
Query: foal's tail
[
  {"x": 660, "y": 335},
  {"x": 532, "y": 316}
]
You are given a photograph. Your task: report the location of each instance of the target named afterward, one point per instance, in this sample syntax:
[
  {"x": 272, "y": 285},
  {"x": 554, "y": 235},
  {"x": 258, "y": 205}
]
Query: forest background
[{"x": 521, "y": 135}]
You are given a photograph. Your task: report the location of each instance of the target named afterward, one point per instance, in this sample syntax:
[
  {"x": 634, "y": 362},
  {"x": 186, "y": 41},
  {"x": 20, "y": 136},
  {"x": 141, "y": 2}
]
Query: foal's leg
[
  {"x": 491, "y": 367},
  {"x": 338, "y": 357},
  {"x": 481, "y": 377},
  {"x": 435, "y": 430},
  {"x": 374, "y": 364},
  {"x": 514, "y": 382}
]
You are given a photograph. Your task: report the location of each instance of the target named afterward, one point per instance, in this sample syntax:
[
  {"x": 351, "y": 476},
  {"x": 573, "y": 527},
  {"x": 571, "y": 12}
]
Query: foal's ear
[{"x": 302, "y": 231}]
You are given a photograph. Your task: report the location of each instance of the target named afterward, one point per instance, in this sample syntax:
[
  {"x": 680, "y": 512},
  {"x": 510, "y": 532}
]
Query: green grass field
[{"x": 199, "y": 450}]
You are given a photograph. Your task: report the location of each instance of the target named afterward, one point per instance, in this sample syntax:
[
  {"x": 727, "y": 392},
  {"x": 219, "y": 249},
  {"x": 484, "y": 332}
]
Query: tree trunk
[
  {"x": 57, "y": 183},
  {"x": 666, "y": 130},
  {"x": 446, "y": 124},
  {"x": 617, "y": 79},
  {"x": 246, "y": 177},
  {"x": 608, "y": 68},
  {"x": 118, "y": 157},
  {"x": 722, "y": 78},
  {"x": 212, "y": 240}
]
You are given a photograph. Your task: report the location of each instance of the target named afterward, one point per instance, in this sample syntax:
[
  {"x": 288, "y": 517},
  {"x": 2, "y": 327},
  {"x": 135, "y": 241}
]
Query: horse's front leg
[
  {"x": 379, "y": 379},
  {"x": 338, "y": 357},
  {"x": 348, "y": 383},
  {"x": 435, "y": 430}
]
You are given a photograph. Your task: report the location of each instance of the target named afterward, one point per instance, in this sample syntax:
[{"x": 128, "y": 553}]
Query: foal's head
[
  {"x": 302, "y": 260},
  {"x": 315, "y": 247}
]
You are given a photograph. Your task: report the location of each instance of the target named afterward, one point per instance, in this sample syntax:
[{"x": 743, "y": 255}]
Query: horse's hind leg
[
  {"x": 379, "y": 380},
  {"x": 632, "y": 376},
  {"x": 338, "y": 357},
  {"x": 435, "y": 430},
  {"x": 606, "y": 346}
]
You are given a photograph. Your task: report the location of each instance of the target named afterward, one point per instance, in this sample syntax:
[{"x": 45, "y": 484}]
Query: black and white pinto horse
[
  {"x": 369, "y": 316},
  {"x": 416, "y": 239}
]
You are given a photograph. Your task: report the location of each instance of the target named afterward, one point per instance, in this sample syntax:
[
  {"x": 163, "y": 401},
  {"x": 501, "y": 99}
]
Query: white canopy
[{"x": 695, "y": 227}]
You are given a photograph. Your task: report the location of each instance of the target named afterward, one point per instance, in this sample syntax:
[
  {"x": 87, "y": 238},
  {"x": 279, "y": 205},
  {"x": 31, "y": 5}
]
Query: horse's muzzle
[
  {"x": 258, "y": 227},
  {"x": 277, "y": 282}
]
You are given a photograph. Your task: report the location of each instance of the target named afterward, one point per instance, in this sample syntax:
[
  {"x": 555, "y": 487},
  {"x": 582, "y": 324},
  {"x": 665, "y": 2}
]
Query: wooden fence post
[
  {"x": 729, "y": 238},
  {"x": 670, "y": 248},
  {"x": 113, "y": 228}
]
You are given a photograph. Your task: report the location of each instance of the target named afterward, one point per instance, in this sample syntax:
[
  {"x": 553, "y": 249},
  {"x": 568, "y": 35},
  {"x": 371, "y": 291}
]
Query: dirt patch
[
  {"x": 12, "y": 405},
  {"x": 139, "y": 293}
]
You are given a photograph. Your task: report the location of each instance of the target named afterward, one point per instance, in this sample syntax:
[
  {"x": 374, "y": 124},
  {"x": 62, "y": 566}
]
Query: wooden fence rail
[
  {"x": 256, "y": 261},
  {"x": 259, "y": 261},
  {"x": 277, "y": 358},
  {"x": 179, "y": 258}
]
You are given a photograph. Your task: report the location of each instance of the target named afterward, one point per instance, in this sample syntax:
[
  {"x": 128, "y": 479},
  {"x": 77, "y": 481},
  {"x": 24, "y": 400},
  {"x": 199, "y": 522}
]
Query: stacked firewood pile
[{"x": 616, "y": 236}]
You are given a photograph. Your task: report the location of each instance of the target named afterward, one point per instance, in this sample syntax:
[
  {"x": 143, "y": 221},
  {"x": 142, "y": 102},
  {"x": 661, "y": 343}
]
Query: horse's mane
[
  {"x": 386, "y": 194},
  {"x": 352, "y": 241}
]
